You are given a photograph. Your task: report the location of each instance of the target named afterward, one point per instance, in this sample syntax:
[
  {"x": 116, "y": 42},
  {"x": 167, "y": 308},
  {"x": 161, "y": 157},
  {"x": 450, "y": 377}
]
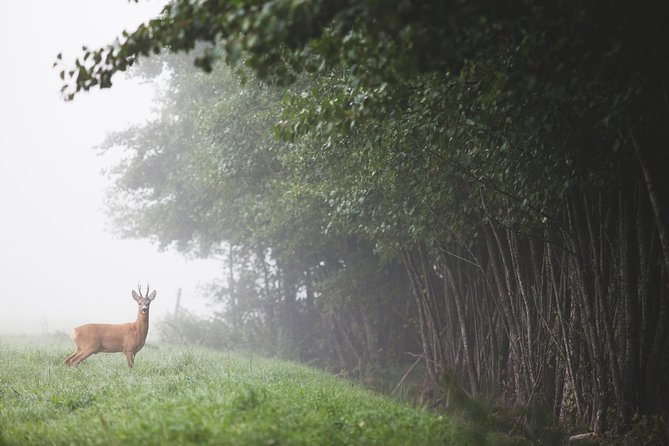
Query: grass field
[{"x": 193, "y": 396}]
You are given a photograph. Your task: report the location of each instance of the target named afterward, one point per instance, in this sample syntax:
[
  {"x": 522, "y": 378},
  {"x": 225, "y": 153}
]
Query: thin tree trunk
[
  {"x": 659, "y": 208},
  {"x": 502, "y": 282},
  {"x": 630, "y": 368},
  {"x": 464, "y": 333},
  {"x": 582, "y": 275}
]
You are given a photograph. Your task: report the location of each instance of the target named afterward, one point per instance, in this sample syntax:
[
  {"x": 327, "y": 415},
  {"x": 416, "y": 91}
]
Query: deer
[{"x": 114, "y": 338}]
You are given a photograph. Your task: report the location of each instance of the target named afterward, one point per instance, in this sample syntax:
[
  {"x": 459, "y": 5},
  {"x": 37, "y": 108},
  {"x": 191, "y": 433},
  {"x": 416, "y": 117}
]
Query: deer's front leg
[{"x": 130, "y": 357}]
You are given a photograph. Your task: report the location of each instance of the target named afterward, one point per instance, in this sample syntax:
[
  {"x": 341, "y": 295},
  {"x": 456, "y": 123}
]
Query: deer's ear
[
  {"x": 152, "y": 295},
  {"x": 135, "y": 296}
]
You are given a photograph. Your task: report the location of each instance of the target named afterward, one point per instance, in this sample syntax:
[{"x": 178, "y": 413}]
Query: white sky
[{"x": 59, "y": 265}]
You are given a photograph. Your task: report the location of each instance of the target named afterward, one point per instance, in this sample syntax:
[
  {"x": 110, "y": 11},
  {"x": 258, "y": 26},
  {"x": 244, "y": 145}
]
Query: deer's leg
[
  {"x": 69, "y": 359},
  {"x": 83, "y": 354},
  {"x": 130, "y": 357}
]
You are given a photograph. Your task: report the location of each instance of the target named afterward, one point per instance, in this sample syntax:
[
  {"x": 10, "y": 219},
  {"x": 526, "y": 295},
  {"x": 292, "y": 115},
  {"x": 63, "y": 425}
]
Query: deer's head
[{"x": 144, "y": 301}]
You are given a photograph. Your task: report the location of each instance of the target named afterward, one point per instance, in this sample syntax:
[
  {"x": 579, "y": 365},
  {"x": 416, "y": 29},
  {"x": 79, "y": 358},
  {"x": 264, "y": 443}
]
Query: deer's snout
[{"x": 145, "y": 309}]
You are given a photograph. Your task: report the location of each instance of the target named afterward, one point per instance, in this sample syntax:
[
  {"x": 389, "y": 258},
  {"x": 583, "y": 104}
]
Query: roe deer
[{"x": 111, "y": 338}]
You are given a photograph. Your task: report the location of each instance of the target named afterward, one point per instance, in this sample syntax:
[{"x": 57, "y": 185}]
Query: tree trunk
[{"x": 464, "y": 333}]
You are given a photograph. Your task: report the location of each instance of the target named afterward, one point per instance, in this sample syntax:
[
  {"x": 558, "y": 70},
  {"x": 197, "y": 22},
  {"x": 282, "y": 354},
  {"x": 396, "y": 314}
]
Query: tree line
[{"x": 477, "y": 182}]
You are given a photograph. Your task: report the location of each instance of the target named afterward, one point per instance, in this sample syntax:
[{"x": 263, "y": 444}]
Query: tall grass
[{"x": 192, "y": 396}]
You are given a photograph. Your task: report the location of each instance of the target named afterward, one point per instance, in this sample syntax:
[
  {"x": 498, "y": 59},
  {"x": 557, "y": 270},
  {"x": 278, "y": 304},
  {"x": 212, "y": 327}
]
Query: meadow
[{"x": 177, "y": 395}]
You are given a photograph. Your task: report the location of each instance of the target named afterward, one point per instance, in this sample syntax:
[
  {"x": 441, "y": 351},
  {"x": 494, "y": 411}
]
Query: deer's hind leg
[
  {"x": 80, "y": 356},
  {"x": 70, "y": 358}
]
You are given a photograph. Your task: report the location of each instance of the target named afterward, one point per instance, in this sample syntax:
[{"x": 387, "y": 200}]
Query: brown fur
[{"x": 112, "y": 338}]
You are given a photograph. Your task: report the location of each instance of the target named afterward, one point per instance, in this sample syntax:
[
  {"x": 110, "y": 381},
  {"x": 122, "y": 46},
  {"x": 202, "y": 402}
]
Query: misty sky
[{"x": 60, "y": 266}]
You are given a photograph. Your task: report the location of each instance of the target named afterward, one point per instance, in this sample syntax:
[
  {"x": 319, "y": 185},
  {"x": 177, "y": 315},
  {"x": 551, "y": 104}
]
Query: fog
[{"x": 60, "y": 265}]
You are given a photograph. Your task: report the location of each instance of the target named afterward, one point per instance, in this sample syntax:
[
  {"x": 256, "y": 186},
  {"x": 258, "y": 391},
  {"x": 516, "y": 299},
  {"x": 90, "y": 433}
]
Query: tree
[
  {"x": 209, "y": 178},
  {"x": 506, "y": 153}
]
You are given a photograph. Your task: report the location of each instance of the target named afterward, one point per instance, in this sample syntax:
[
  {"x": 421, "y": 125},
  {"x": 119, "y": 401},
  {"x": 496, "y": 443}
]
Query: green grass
[{"x": 193, "y": 396}]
